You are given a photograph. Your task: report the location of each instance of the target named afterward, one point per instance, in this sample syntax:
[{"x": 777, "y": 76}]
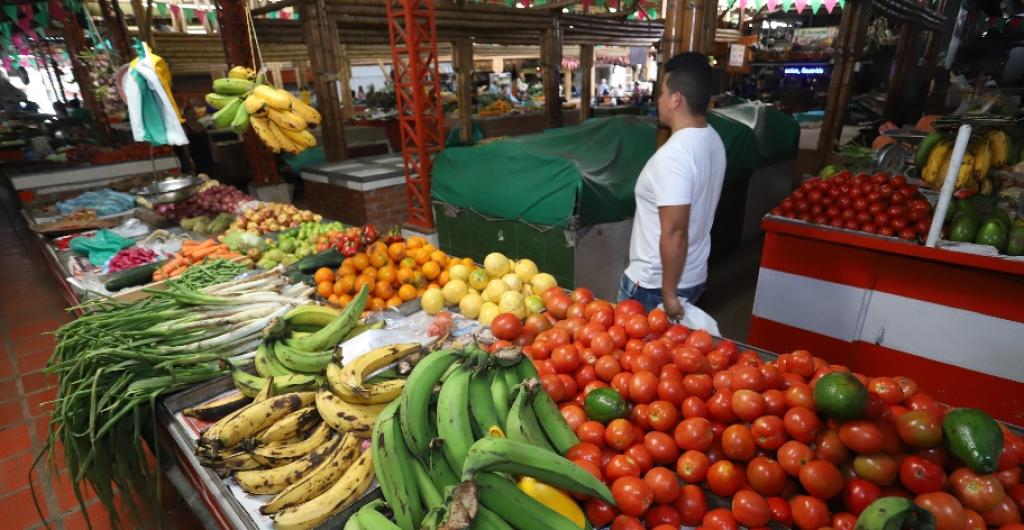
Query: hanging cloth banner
[
  {"x": 5, "y": 29},
  {"x": 272, "y": 15},
  {"x": 42, "y": 16},
  {"x": 211, "y": 18},
  {"x": 26, "y": 26}
]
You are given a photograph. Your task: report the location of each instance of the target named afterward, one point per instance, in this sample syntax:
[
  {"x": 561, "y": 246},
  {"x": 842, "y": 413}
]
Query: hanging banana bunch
[
  {"x": 987, "y": 151},
  {"x": 279, "y": 118}
]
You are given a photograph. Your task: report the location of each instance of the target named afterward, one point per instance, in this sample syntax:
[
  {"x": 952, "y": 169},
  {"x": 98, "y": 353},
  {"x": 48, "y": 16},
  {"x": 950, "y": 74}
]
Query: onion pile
[
  {"x": 211, "y": 201},
  {"x": 132, "y": 257}
]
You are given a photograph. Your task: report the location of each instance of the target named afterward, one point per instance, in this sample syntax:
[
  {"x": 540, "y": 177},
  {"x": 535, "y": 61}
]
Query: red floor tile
[
  {"x": 6, "y": 367},
  {"x": 40, "y": 403},
  {"x": 38, "y": 381},
  {"x": 66, "y": 495},
  {"x": 33, "y": 362},
  {"x": 11, "y": 413},
  {"x": 14, "y": 438},
  {"x": 14, "y": 471},
  {"x": 18, "y": 510},
  {"x": 35, "y": 344}
]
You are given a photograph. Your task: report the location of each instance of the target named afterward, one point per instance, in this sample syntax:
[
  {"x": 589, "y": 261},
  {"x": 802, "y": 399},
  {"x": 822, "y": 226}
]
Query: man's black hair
[{"x": 690, "y": 74}]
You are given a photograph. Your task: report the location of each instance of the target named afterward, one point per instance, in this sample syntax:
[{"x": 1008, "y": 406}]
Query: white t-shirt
[{"x": 688, "y": 169}]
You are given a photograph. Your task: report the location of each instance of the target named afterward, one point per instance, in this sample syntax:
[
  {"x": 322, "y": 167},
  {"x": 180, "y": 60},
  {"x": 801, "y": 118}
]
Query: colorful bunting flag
[
  {"x": 758, "y": 4},
  {"x": 815, "y": 6},
  {"x": 272, "y": 15},
  {"x": 211, "y": 17},
  {"x": 56, "y": 9},
  {"x": 189, "y": 14},
  {"x": 162, "y": 9},
  {"x": 830, "y": 5},
  {"x": 286, "y": 14},
  {"x": 42, "y": 16},
  {"x": 27, "y": 10},
  {"x": 5, "y": 29},
  {"x": 800, "y": 5},
  {"x": 787, "y": 5},
  {"x": 11, "y": 11},
  {"x": 772, "y": 4}
]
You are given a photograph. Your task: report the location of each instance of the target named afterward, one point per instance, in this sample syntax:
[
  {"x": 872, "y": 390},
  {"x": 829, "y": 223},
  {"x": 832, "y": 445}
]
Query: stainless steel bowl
[{"x": 171, "y": 190}]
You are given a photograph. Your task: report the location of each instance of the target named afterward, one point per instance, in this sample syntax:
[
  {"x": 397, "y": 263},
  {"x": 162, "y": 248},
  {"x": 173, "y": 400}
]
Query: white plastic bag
[{"x": 696, "y": 318}]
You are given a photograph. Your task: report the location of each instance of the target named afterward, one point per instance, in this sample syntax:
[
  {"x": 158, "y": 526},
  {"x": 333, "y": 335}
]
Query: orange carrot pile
[{"x": 191, "y": 253}]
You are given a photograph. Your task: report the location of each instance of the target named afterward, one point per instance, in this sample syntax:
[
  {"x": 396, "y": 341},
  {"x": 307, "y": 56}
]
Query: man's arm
[{"x": 675, "y": 233}]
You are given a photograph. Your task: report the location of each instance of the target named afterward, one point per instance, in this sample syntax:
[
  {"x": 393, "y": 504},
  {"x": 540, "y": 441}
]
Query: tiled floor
[{"x": 31, "y": 305}]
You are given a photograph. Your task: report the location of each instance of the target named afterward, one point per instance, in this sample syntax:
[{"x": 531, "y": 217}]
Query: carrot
[
  {"x": 203, "y": 252},
  {"x": 208, "y": 243}
]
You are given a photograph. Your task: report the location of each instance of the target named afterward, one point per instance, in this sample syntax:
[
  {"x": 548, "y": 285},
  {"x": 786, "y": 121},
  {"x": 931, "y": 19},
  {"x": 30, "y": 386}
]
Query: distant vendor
[{"x": 676, "y": 195}]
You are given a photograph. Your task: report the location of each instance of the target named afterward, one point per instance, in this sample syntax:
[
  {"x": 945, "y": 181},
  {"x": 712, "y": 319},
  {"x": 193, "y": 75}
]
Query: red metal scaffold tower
[{"x": 418, "y": 95}]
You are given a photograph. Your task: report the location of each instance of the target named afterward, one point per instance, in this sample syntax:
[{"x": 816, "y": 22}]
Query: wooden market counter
[{"x": 952, "y": 321}]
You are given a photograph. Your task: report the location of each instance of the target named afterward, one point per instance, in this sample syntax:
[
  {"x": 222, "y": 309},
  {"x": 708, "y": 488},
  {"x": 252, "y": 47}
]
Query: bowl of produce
[{"x": 171, "y": 190}]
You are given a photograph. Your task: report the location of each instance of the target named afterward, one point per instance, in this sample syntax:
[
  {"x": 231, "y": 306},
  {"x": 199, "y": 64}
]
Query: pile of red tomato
[
  {"x": 706, "y": 416},
  {"x": 876, "y": 204}
]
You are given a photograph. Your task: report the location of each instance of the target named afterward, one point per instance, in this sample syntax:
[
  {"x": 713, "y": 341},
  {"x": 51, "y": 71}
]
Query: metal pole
[{"x": 963, "y": 136}]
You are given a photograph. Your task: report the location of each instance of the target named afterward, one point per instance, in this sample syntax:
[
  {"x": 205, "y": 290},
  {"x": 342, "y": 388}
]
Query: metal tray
[
  {"x": 171, "y": 190},
  {"x": 216, "y": 491}
]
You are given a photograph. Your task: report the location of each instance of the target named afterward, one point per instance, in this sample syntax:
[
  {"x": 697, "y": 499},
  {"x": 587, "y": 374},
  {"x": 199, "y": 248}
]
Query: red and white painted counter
[{"x": 953, "y": 322}]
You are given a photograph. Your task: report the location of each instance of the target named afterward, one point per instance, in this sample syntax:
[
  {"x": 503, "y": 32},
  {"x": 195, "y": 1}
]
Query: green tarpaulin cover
[{"x": 588, "y": 171}]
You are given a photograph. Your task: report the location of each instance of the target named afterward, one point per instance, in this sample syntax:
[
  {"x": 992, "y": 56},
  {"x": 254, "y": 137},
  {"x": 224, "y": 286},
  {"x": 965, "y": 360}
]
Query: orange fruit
[
  {"x": 394, "y": 301},
  {"x": 408, "y": 262},
  {"x": 379, "y": 258},
  {"x": 396, "y": 251},
  {"x": 468, "y": 262},
  {"x": 348, "y": 283},
  {"x": 370, "y": 272},
  {"x": 378, "y": 246},
  {"x": 404, "y": 275},
  {"x": 418, "y": 279},
  {"x": 347, "y": 269},
  {"x": 339, "y": 287},
  {"x": 377, "y": 304},
  {"x": 360, "y": 261},
  {"x": 344, "y": 299},
  {"x": 431, "y": 270},
  {"x": 387, "y": 273},
  {"x": 407, "y": 292},
  {"x": 422, "y": 256},
  {"x": 347, "y": 261},
  {"x": 433, "y": 285},
  {"x": 429, "y": 248},
  {"x": 415, "y": 242},
  {"x": 443, "y": 278},
  {"x": 383, "y": 290},
  {"x": 323, "y": 274},
  {"x": 333, "y": 299},
  {"x": 325, "y": 289},
  {"x": 361, "y": 281},
  {"x": 439, "y": 257}
]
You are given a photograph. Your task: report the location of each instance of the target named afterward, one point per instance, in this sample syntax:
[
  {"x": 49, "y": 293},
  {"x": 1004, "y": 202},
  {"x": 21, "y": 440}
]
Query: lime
[
  {"x": 604, "y": 405},
  {"x": 840, "y": 395}
]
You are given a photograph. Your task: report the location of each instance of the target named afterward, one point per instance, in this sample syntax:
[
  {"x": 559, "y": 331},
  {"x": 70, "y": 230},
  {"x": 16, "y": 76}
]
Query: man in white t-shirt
[{"x": 676, "y": 194}]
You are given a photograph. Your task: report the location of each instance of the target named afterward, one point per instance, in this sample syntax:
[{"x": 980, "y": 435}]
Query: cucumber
[
  {"x": 140, "y": 275},
  {"x": 973, "y": 437},
  {"x": 925, "y": 148},
  {"x": 330, "y": 258}
]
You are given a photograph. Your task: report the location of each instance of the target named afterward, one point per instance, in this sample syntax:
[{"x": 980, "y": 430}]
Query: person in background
[
  {"x": 603, "y": 89},
  {"x": 676, "y": 194},
  {"x": 638, "y": 93},
  {"x": 198, "y": 142},
  {"x": 76, "y": 111},
  {"x": 361, "y": 94}
]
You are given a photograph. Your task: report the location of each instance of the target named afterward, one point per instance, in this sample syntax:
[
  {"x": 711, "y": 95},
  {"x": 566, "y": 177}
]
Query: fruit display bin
[{"x": 952, "y": 321}]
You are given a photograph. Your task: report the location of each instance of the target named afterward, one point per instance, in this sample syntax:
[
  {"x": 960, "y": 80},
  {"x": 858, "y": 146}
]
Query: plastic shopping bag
[{"x": 696, "y": 318}]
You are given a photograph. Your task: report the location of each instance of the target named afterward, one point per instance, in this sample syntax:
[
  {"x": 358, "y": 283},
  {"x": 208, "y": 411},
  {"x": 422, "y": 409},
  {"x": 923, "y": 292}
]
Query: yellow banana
[
  {"x": 282, "y": 140},
  {"x": 352, "y": 484},
  {"x": 353, "y": 373},
  {"x": 274, "y": 480},
  {"x": 1000, "y": 147},
  {"x": 307, "y": 113},
  {"x": 966, "y": 172},
  {"x": 290, "y": 425},
  {"x": 982, "y": 157},
  {"x": 317, "y": 481},
  {"x": 286, "y": 119},
  {"x": 254, "y": 105},
  {"x": 276, "y": 99},
  {"x": 276, "y": 452},
  {"x": 242, "y": 72},
  {"x": 936, "y": 159},
  {"x": 383, "y": 392},
  {"x": 344, "y": 416},
  {"x": 253, "y": 418},
  {"x": 553, "y": 498},
  {"x": 262, "y": 126},
  {"x": 303, "y": 138}
]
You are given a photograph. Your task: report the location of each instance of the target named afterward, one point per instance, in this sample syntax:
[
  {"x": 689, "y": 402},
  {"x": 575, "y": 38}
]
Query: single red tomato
[
  {"x": 585, "y": 451},
  {"x": 698, "y": 385},
  {"x": 748, "y": 405},
  {"x": 751, "y": 509},
  {"x": 809, "y": 513},
  {"x": 566, "y": 359},
  {"x": 780, "y": 511},
  {"x": 691, "y": 505},
  {"x": 793, "y": 455},
  {"x": 861, "y": 436},
  {"x": 858, "y": 494},
  {"x": 662, "y": 415},
  {"x": 948, "y": 512},
  {"x": 662, "y": 517},
  {"x": 844, "y": 521},
  {"x": 769, "y": 432},
  {"x": 618, "y": 434},
  {"x": 621, "y": 466},
  {"x": 766, "y": 476},
  {"x": 748, "y": 377},
  {"x": 830, "y": 447},
  {"x": 657, "y": 321},
  {"x": 725, "y": 478},
  {"x": 774, "y": 403},
  {"x": 664, "y": 485},
  {"x": 553, "y": 386},
  {"x": 977, "y": 492},
  {"x": 921, "y": 476},
  {"x": 719, "y": 519},
  {"x": 627, "y": 522},
  {"x": 920, "y": 428},
  {"x": 821, "y": 479},
  {"x": 802, "y": 424},
  {"x": 800, "y": 395},
  {"x": 506, "y": 326},
  {"x": 606, "y": 368},
  {"x": 1004, "y": 514},
  {"x": 637, "y": 326},
  {"x": 592, "y": 432},
  {"x": 574, "y": 416},
  {"x": 738, "y": 443},
  {"x": 599, "y": 513},
  {"x": 663, "y": 448},
  {"x": 693, "y": 466},
  {"x": 720, "y": 407},
  {"x": 671, "y": 389},
  {"x": 641, "y": 456},
  {"x": 632, "y": 495},
  {"x": 643, "y": 387},
  {"x": 695, "y": 434}
]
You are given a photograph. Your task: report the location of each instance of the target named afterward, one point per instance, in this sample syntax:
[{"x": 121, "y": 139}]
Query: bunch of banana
[
  {"x": 228, "y": 96},
  {"x": 280, "y": 119},
  {"x": 441, "y": 455},
  {"x": 985, "y": 152}
]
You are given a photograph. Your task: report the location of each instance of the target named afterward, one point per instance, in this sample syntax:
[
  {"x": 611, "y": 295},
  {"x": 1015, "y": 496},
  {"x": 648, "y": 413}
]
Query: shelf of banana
[
  {"x": 474, "y": 441},
  {"x": 281, "y": 120},
  {"x": 986, "y": 151}
]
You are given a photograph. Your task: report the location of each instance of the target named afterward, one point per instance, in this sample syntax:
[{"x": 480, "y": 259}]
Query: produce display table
[
  {"x": 953, "y": 321},
  {"x": 29, "y": 183}
]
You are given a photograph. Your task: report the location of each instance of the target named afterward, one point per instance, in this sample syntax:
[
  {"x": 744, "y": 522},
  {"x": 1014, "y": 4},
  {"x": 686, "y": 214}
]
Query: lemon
[
  {"x": 454, "y": 290},
  {"x": 432, "y": 301},
  {"x": 512, "y": 302},
  {"x": 497, "y": 265},
  {"x": 542, "y": 282},
  {"x": 494, "y": 290},
  {"x": 526, "y": 269},
  {"x": 488, "y": 310},
  {"x": 470, "y": 305},
  {"x": 459, "y": 272},
  {"x": 512, "y": 281},
  {"x": 478, "y": 279}
]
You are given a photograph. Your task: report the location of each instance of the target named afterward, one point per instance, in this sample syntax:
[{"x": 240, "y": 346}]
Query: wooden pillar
[
  {"x": 852, "y": 30},
  {"x": 142, "y": 20},
  {"x": 905, "y": 57},
  {"x": 233, "y": 20},
  {"x": 74, "y": 39},
  {"x": 550, "y": 60},
  {"x": 586, "y": 80},
  {"x": 345, "y": 71},
  {"x": 462, "y": 61},
  {"x": 683, "y": 33},
  {"x": 113, "y": 19},
  {"x": 321, "y": 37}
]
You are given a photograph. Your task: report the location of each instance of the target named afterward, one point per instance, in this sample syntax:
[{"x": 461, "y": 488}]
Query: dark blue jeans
[{"x": 650, "y": 298}]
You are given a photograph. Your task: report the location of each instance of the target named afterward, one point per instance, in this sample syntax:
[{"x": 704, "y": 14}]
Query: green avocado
[
  {"x": 954, "y": 208},
  {"x": 968, "y": 207},
  {"x": 604, "y": 405},
  {"x": 973, "y": 437},
  {"x": 1000, "y": 215},
  {"x": 1015, "y": 243},
  {"x": 992, "y": 233},
  {"x": 964, "y": 228},
  {"x": 840, "y": 395}
]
